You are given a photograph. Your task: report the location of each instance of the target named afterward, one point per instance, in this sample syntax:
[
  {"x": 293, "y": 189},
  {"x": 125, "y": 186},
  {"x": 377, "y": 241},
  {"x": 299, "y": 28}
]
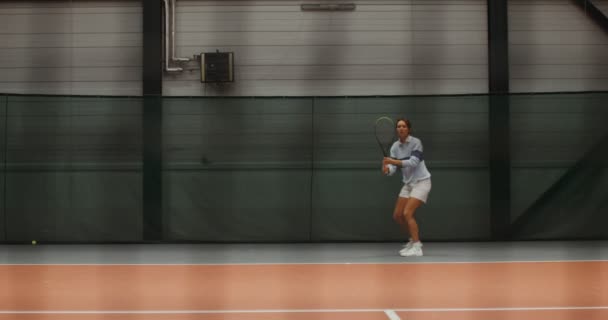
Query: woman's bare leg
[
  {"x": 408, "y": 213},
  {"x": 398, "y": 213}
]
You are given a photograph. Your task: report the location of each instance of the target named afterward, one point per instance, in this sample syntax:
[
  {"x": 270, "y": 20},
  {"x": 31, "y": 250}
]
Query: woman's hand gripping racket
[{"x": 385, "y": 136}]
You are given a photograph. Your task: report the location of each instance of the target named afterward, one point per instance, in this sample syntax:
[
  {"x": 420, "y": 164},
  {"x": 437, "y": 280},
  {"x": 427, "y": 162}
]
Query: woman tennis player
[{"x": 406, "y": 154}]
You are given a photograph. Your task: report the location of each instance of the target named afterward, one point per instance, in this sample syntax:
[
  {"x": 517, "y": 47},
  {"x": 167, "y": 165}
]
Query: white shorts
[{"x": 419, "y": 190}]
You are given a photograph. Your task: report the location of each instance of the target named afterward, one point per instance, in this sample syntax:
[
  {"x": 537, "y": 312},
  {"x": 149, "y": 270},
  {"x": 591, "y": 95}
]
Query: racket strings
[{"x": 385, "y": 134}]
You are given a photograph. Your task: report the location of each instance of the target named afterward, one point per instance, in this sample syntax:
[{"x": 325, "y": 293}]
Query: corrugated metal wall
[
  {"x": 381, "y": 48},
  {"x": 393, "y": 47},
  {"x": 71, "y": 47},
  {"x": 554, "y": 46}
]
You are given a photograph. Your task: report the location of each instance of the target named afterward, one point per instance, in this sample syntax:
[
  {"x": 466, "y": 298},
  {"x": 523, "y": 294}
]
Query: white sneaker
[
  {"x": 406, "y": 247},
  {"x": 410, "y": 243},
  {"x": 414, "y": 251}
]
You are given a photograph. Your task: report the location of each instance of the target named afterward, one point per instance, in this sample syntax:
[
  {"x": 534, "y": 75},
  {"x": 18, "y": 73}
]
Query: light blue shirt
[{"x": 412, "y": 160}]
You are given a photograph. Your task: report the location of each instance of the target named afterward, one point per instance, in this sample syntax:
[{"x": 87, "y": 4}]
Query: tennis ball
[{"x": 33, "y": 242}]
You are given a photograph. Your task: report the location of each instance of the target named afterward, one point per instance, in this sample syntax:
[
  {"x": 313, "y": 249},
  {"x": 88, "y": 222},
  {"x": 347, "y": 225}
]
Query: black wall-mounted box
[{"x": 217, "y": 67}]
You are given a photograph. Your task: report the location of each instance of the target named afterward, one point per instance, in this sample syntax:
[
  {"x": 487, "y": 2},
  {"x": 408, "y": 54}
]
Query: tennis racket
[{"x": 385, "y": 134}]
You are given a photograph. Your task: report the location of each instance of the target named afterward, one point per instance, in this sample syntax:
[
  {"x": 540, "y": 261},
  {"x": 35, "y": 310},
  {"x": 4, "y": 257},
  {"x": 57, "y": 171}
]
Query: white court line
[
  {"x": 293, "y": 310},
  {"x": 392, "y": 315},
  {"x": 298, "y": 263}
]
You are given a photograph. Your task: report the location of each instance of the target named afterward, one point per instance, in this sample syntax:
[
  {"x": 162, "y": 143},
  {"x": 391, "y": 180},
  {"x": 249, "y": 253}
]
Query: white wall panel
[
  {"x": 392, "y": 56},
  {"x": 70, "y": 57},
  {"x": 389, "y": 47},
  {"x": 329, "y": 87},
  {"x": 67, "y": 74},
  {"x": 382, "y": 48},
  {"x": 342, "y": 72},
  {"x": 554, "y": 46},
  {"x": 71, "y": 47}
]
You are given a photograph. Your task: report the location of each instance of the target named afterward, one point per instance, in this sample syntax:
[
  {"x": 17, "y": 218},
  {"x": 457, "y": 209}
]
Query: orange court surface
[{"x": 422, "y": 288}]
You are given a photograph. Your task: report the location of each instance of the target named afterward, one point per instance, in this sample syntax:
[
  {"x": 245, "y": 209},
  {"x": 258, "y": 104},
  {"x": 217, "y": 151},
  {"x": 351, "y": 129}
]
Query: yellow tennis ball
[{"x": 33, "y": 241}]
